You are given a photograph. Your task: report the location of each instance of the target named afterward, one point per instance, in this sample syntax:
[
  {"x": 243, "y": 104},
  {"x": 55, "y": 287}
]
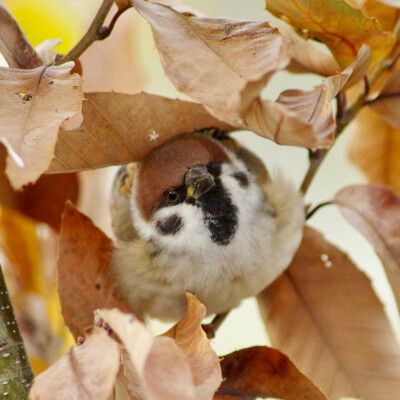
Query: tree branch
[
  {"x": 15, "y": 370},
  {"x": 14, "y": 45},
  {"x": 95, "y": 32}
]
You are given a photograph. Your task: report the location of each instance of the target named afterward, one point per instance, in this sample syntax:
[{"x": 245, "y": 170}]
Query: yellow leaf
[
  {"x": 30, "y": 252},
  {"x": 385, "y": 14},
  {"x": 341, "y": 27}
]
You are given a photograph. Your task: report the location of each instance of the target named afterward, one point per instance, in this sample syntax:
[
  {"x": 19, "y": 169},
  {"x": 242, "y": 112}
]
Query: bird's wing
[{"x": 120, "y": 207}]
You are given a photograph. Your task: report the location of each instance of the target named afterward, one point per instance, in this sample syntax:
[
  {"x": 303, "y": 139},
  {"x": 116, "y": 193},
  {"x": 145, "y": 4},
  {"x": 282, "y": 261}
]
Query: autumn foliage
[{"x": 330, "y": 334}]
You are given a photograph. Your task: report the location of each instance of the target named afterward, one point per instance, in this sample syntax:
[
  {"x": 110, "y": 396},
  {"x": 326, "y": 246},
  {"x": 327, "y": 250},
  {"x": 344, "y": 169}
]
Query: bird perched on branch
[{"x": 202, "y": 215}]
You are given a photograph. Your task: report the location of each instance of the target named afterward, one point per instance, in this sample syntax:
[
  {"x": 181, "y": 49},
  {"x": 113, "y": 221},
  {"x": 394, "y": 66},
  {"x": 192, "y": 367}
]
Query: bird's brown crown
[{"x": 165, "y": 167}]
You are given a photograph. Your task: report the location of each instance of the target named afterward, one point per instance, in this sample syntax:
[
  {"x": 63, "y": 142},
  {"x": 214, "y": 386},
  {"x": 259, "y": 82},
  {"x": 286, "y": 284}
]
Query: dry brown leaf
[
  {"x": 221, "y": 63},
  {"x": 306, "y": 57},
  {"x": 304, "y": 118},
  {"x": 156, "y": 368},
  {"x": 229, "y": 88},
  {"x": 388, "y": 102},
  {"x": 341, "y": 27},
  {"x": 86, "y": 372},
  {"x": 33, "y": 105},
  {"x": 375, "y": 149},
  {"x": 375, "y": 211},
  {"x": 120, "y": 128},
  {"x": 264, "y": 372},
  {"x": 14, "y": 46},
  {"x": 84, "y": 278},
  {"x": 385, "y": 14},
  {"x": 43, "y": 201},
  {"x": 323, "y": 313},
  {"x": 191, "y": 338}
]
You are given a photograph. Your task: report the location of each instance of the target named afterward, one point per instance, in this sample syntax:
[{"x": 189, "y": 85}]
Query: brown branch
[
  {"x": 15, "y": 370},
  {"x": 14, "y": 45},
  {"x": 95, "y": 32}
]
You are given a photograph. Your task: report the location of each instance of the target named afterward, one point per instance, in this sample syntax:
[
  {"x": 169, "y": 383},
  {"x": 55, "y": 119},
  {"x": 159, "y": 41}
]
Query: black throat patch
[{"x": 219, "y": 214}]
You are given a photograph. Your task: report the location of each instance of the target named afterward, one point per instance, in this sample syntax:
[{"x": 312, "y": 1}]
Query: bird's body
[{"x": 202, "y": 217}]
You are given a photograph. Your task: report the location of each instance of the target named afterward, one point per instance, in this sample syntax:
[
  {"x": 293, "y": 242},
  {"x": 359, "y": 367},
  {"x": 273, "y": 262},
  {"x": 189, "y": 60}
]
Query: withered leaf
[
  {"x": 264, "y": 372},
  {"x": 375, "y": 149},
  {"x": 33, "y": 103},
  {"x": 155, "y": 367},
  {"x": 375, "y": 211},
  {"x": 84, "y": 278},
  {"x": 336, "y": 23},
  {"x": 14, "y": 46},
  {"x": 121, "y": 128},
  {"x": 86, "y": 372},
  {"x": 306, "y": 57},
  {"x": 323, "y": 313},
  {"x": 219, "y": 62},
  {"x": 304, "y": 118},
  {"x": 388, "y": 101},
  {"x": 191, "y": 338}
]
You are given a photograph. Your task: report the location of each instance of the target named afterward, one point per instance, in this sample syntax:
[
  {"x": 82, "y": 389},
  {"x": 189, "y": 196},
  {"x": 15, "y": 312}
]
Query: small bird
[{"x": 200, "y": 214}]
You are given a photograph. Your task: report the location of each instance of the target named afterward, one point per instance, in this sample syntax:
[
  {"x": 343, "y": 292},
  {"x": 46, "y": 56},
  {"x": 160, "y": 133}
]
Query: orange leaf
[
  {"x": 336, "y": 23},
  {"x": 323, "y": 313},
  {"x": 375, "y": 149},
  {"x": 85, "y": 282},
  {"x": 264, "y": 372}
]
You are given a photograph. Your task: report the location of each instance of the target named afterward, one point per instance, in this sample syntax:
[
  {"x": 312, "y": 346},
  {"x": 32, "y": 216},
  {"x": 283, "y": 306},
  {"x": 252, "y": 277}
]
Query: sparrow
[{"x": 200, "y": 214}]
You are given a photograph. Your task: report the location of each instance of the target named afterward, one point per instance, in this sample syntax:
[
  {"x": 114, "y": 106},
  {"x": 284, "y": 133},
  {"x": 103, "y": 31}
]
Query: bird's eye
[{"x": 171, "y": 196}]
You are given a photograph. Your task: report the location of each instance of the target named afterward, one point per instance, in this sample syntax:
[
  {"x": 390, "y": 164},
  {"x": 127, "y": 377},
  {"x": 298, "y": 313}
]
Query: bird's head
[{"x": 191, "y": 194}]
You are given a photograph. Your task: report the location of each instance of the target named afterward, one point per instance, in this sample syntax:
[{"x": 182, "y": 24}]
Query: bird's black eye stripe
[
  {"x": 214, "y": 169},
  {"x": 242, "y": 178}
]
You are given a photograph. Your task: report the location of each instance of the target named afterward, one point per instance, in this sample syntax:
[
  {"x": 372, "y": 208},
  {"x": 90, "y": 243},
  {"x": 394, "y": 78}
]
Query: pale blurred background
[{"x": 128, "y": 62}]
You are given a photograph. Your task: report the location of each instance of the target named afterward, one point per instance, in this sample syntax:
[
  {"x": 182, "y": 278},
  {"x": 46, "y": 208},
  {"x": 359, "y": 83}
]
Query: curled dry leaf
[
  {"x": 14, "y": 46},
  {"x": 121, "y": 128},
  {"x": 304, "y": 118},
  {"x": 227, "y": 78},
  {"x": 323, "y": 313},
  {"x": 388, "y": 101},
  {"x": 336, "y": 23},
  {"x": 154, "y": 368},
  {"x": 86, "y": 372},
  {"x": 264, "y": 372},
  {"x": 375, "y": 211},
  {"x": 33, "y": 104},
  {"x": 375, "y": 149},
  {"x": 222, "y": 63},
  {"x": 191, "y": 338},
  {"x": 306, "y": 56},
  {"x": 84, "y": 278}
]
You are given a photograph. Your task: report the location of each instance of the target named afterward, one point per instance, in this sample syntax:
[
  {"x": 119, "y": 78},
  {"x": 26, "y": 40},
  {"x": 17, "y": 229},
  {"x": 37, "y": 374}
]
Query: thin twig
[
  {"x": 316, "y": 208},
  {"x": 91, "y": 35},
  {"x": 211, "y": 328}
]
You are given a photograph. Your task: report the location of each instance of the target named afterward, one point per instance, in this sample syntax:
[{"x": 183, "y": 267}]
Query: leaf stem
[
  {"x": 15, "y": 370},
  {"x": 95, "y": 32}
]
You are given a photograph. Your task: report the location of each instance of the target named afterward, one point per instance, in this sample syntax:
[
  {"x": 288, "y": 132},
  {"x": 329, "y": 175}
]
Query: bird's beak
[{"x": 198, "y": 182}]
